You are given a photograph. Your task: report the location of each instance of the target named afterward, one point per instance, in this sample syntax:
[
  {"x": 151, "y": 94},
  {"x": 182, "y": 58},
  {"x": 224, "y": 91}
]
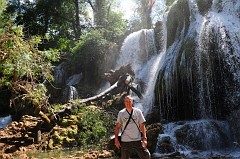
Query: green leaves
[
  {"x": 93, "y": 127},
  {"x": 3, "y": 4},
  {"x": 23, "y": 67},
  {"x": 22, "y": 57}
]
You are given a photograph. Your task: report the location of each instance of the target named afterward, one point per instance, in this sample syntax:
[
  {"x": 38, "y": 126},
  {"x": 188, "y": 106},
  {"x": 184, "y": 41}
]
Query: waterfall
[
  {"x": 137, "y": 49},
  {"x": 140, "y": 51},
  {"x": 69, "y": 93},
  {"x": 198, "y": 86},
  {"x": 224, "y": 25},
  {"x": 202, "y": 63},
  {"x": 4, "y": 121},
  {"x": 59, "y": 73}
]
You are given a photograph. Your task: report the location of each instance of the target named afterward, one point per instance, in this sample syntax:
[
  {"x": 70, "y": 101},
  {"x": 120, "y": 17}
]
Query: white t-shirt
[{"x": 131, "y": 133}]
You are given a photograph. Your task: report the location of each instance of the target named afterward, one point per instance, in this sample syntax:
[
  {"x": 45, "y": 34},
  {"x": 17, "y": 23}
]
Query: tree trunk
[
  {"x": 146, "y": 13},
  {"x": 77, "y": 20}
]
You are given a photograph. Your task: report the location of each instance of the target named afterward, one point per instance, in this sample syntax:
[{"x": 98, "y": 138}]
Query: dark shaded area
[{"x": 5, "y": 95}]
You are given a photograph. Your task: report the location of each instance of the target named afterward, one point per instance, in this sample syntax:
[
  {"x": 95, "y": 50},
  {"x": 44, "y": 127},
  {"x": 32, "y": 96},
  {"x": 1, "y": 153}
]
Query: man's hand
[
  {"x": 116, "y": 132},
  {"x": 144, "y": 143},
  {"x": 117, "y": 143}
]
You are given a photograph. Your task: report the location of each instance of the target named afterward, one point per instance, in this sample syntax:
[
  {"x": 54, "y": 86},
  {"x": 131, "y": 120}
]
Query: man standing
[{"x": 134, "y": 134}]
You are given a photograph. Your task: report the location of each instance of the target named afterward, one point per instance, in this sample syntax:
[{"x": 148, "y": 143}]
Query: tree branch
[{"x": 93, "y": 8}]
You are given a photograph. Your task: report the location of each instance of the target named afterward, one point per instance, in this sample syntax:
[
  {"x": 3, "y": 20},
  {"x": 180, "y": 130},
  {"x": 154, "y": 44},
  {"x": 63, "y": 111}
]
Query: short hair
[{"x": 128, "y": 96}]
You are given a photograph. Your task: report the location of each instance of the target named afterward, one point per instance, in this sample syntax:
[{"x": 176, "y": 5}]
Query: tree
[
  {"x": 101, "y": 9},
  {"x": 144, "y": 10},
  {"x": 23, "y": 70},
  {"x": 62, "y": 20}
]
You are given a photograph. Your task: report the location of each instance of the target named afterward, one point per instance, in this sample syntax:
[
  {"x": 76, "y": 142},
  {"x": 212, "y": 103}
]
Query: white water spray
[{"x": 140, "y": 51}]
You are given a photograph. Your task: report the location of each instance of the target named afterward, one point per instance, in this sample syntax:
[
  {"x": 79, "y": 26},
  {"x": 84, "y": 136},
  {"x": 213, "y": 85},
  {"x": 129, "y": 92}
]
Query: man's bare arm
[
  {"x": 116, "y": 132},
  {"x": 144, "y": 135}
]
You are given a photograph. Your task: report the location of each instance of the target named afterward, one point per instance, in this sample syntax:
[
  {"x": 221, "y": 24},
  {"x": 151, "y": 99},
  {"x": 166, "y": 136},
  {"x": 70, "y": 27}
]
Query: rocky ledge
[{"x": 20, "y": 138}]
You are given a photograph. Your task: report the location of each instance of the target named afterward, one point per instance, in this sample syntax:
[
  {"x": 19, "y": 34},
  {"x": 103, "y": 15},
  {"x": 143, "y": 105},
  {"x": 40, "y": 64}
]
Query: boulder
[
  {"x": 113, "y": 75},
  {"x": 153, "y": 131}
]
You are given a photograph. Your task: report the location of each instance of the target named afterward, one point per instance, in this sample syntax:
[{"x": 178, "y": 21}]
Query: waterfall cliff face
[{"x": 199, "y": 78}]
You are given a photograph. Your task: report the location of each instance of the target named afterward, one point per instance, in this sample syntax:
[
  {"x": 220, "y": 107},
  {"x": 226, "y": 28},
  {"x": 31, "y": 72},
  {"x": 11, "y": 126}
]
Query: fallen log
[
  {"x": 123, "y": 85},
  {"x": 67, "y": 109}
]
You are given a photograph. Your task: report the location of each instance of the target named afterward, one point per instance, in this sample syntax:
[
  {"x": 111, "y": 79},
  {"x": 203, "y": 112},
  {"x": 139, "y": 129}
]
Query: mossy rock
[
  {"x": 204, "y": 6},
  {"x": 57, "y": 138},
  {"x": 69, "y": 142},
  {"x": 153, "y": 131},
  {"x": 178, "y": 18}
]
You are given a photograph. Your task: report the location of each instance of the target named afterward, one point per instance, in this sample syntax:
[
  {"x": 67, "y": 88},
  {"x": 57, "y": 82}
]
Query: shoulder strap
[
  {"x": 127, "y": 121},
  {"x": 135, "y": 122}
]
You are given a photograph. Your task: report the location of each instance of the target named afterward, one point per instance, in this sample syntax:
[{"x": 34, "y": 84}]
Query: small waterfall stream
[{"x": 4, "y": 121}]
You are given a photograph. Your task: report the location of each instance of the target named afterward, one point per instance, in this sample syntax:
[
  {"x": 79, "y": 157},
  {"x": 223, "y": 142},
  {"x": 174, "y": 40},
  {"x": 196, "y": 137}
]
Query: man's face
[{"x": 128, "y": 102}]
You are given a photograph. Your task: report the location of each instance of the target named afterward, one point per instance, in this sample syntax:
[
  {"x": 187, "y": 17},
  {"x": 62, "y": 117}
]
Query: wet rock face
[
  {"x": 113, "y": 75},
  {"x": 235, "y": 124},
  {"x": 200, "y": 77},
  {"x": 69, "y": 93},
  {"x": 19, "y": 136},
  {"x": 178, "y": 19},
  {"x": 153, "y": 131},
  {"x": 204, "y": 135},
  {"x": 204, "y": 5},
  {"x": 165, "y": 145},
  {"x": 159, "y": 36}
]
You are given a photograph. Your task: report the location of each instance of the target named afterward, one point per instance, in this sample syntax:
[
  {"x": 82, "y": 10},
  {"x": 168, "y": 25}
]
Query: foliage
[
  {"x": 3, "y": 17},
  {"x": 89, "y": 53},
  {"x": 23, "y": 67},
  {"x": 92, "y": 37},
  {"x": 3, "y": 5},
  {"x": 135, "y": 24},
  {"x": 27, "y": 62},
  {"x": 93, "y": 127},
  {"x": 115, "y": 28},
  {"x": 100, "y": 9},
  {"x": 90, "y": 47},
  {"x": 91, "y": 50},
  {"x": 57, "y": 19}
]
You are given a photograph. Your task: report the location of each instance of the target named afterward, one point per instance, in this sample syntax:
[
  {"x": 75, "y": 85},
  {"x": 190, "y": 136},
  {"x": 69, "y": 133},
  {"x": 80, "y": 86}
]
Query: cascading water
[
  {"x": 4, "y": 121},
  {"x": 223, "y": 26},
  {"x": 139, "y": 50},
  {"x": 199, "y": 81},
  {"x": 197, "y": 77}
]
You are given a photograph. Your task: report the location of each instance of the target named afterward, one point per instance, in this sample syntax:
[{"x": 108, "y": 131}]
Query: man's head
[{"x": 128, "y": 100}]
